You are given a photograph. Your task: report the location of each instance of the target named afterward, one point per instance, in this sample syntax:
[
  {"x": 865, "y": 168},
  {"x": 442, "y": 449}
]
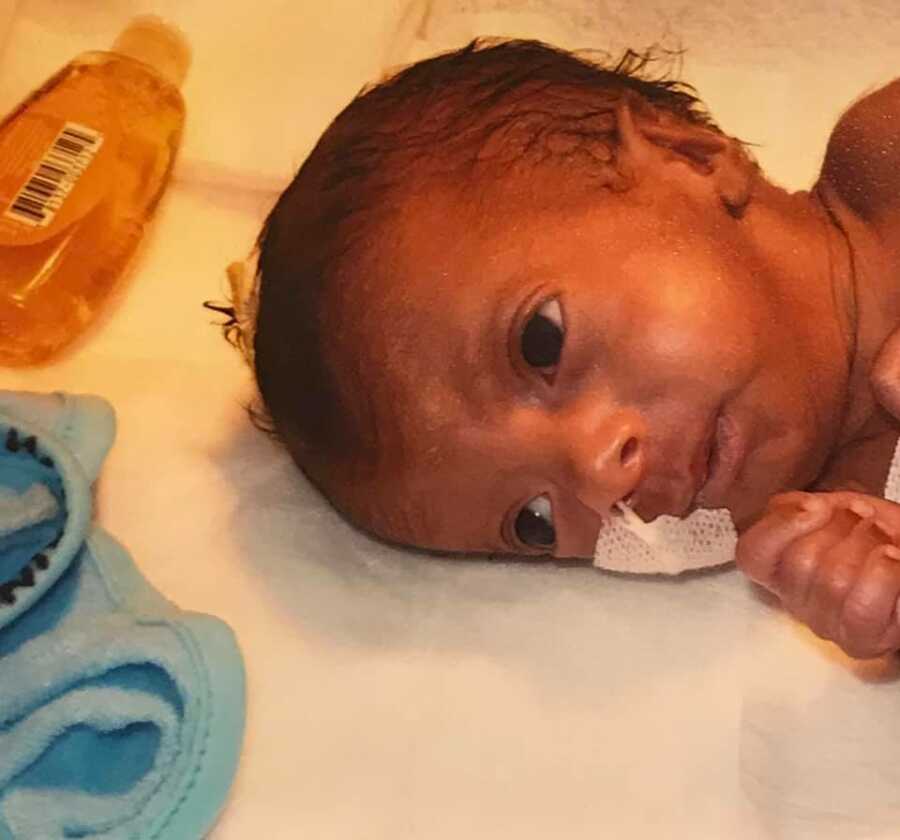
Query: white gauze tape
[{"x": 667, "y": 545}]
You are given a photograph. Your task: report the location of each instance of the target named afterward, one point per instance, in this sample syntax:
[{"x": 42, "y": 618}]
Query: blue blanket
[{"x": 120, "y": 715}]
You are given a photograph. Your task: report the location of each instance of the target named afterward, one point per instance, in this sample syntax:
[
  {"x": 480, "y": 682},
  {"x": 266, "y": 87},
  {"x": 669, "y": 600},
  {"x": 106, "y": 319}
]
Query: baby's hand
[{"x": 833, "y": 561}]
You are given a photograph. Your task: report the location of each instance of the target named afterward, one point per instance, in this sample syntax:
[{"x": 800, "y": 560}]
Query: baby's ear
[{"x": 651, "y": 145}]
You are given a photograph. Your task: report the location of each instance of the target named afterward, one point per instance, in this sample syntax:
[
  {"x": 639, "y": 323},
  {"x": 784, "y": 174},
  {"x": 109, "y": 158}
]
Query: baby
[{"x": 511, "y": 290}]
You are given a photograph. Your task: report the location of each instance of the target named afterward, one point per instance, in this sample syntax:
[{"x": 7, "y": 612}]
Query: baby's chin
[
  {"x": 745, "y": 512},
  {"x": 774, "y": 468},
  {"x": 751, "y": 503}
]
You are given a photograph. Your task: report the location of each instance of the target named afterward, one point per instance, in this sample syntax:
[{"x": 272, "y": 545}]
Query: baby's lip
[
  {"x": 701, "y": 463},
  {"x": 726, "y": 457}
]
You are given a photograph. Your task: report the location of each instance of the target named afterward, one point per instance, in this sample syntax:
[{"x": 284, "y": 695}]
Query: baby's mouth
[
  {"x": 710, "y": 460},
  {"x": 725, "y": 456}
]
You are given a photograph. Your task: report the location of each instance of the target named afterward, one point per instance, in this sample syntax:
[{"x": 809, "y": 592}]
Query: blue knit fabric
[{"x": 120, "y": 715}]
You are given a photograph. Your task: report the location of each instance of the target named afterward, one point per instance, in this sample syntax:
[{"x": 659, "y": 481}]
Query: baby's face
[{"x": 539, "y": 360}]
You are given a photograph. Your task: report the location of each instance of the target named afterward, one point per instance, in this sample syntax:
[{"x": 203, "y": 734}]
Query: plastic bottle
[{"x": 83, "y": 162}]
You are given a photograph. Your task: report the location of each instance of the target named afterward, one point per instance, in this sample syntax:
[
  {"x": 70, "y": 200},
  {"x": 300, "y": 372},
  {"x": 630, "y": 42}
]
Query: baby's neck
[
  {"x": 800, "y": 239},
  {"x": 867, "y": 281},
  {"x": 833, "y": 286}
]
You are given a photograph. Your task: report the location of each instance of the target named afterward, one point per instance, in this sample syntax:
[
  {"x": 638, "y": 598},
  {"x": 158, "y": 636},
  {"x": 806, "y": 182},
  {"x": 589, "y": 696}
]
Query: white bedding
[{"x": 398, "y": 696}]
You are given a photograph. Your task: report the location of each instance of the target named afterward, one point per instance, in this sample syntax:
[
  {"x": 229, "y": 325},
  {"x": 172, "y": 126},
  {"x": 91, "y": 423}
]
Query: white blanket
[{"x": 393, "y": 695}]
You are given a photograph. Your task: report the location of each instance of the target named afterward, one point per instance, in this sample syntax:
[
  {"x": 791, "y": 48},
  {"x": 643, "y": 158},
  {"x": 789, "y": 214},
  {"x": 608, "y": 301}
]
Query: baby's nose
[{"x": 607, "y": 459}]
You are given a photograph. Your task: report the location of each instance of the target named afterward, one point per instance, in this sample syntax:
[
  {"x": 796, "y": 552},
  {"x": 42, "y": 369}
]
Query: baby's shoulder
[{"x": 862, "y": 162}]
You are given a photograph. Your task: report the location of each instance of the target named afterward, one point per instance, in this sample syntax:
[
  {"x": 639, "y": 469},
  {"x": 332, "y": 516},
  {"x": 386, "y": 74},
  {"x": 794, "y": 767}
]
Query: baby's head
[{"x": 509, "y": 289}]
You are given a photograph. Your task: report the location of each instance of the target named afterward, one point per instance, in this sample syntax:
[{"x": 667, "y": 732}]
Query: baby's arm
[
  {"x": 832, "y": 557},
  {"x": 832, "y": 560}
]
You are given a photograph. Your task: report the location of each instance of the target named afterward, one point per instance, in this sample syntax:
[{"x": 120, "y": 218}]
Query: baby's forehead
[
  {"x": 435, "y": 284},
  {"x": 448, "y": 241},
  {"x": 415, "y": 274}
]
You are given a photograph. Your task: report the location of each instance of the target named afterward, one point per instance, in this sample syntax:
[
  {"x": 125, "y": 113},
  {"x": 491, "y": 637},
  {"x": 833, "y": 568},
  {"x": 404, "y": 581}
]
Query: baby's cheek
[{"x": 702, "y": 340}]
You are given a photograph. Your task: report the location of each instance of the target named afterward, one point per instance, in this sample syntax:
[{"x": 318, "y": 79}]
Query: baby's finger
[
  {"x": 834, "y": 576},
  {"x": 869, "y": 624},
  {"x": 759, "y": 550},
  {"x": 799, "y": 564},
  {"x": 886, "y": 513}
]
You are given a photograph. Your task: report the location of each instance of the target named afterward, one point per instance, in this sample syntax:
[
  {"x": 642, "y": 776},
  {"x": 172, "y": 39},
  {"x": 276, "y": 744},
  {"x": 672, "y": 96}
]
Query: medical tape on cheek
[{"x": 667, "y": 545}]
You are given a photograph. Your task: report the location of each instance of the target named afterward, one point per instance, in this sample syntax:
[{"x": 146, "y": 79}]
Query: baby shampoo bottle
[{"x": 83, "y": 163}]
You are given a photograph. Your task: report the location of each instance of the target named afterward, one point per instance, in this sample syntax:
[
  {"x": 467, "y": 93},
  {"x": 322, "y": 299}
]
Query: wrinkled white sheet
[{"x": 398, "y": 696}]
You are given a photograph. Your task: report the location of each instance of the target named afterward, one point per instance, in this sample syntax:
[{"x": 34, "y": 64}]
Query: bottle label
[
  {"x": 51, "y": 168},
  {"x": 70, "y": 154}
]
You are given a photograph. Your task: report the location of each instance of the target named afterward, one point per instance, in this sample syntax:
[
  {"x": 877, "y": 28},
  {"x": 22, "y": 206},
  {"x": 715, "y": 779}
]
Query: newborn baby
[{"x": 510, "y": 291}]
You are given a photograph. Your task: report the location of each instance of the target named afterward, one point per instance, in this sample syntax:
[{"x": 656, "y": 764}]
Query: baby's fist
[{"x": 833, "y": 561}]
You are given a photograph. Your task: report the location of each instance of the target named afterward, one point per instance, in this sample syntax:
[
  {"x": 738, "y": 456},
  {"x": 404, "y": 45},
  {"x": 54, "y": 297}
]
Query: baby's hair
[{"x": 463, "y": 113}]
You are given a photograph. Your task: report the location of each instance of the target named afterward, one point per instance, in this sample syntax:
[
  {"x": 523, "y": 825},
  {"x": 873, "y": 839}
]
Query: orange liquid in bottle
[{"x": 51, "y": 290}]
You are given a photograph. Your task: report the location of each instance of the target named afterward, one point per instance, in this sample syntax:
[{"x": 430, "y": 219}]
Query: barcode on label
[{"x": 55, "y": 175}]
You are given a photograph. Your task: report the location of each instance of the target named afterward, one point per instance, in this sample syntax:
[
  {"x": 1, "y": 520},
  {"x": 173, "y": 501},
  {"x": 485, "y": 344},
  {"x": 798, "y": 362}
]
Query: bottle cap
[{"x": 153, "y": 41}]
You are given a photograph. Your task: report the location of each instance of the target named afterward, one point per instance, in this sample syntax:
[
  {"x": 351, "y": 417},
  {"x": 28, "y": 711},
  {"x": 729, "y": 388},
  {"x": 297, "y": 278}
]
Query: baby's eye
[
  {"x": 543, "y": 336},
  {"x": 534, "y": 524}
]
